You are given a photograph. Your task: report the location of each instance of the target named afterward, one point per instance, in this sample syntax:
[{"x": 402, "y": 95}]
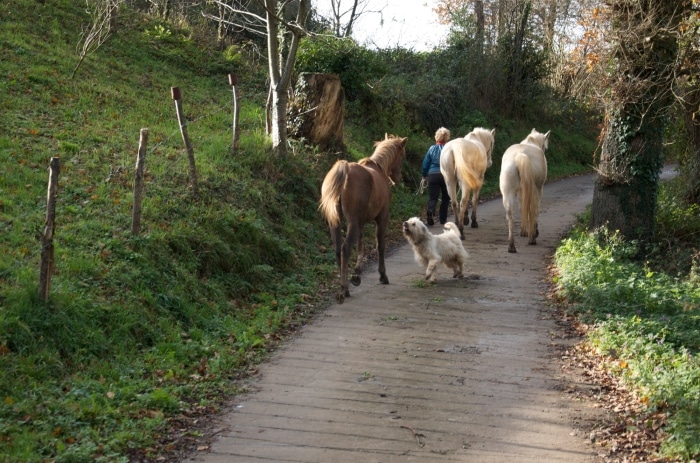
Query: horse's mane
[
  {"x": 540, "y": 140},
  {"x": 479, "y": 131},
  {"x": 385, "y": 153},
  {"x": 480, "y": 134},
  {"x": 483, "y": 135}
]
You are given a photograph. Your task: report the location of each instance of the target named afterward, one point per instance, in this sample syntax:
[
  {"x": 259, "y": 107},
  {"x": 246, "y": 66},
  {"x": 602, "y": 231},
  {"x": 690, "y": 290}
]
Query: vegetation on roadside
[{"x": 643, "y": 317}]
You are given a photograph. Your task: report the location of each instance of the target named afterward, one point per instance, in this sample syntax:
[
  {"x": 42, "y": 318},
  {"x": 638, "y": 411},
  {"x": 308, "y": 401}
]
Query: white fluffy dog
[{"x": 430, "y": 250}]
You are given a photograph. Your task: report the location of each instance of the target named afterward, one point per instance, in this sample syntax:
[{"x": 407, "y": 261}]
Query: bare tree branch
[{"x": 102, "y": 13}]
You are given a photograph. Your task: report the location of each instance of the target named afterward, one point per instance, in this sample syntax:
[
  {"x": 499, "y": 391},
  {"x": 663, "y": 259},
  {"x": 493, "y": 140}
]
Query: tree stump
[{"x": 317, "y": 111}]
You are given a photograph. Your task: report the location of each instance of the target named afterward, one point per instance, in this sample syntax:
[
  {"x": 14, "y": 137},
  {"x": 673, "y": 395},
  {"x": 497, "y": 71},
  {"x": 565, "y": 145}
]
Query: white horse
[
  {"x": 524, "y": 171},
  {"x": 466, "y": 160}
]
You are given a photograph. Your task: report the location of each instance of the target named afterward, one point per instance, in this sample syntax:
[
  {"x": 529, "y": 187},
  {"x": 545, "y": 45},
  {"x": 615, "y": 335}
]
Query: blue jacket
[{"x": 431, "y": 162}]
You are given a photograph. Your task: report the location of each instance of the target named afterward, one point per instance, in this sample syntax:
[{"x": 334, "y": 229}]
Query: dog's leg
[
  {"x": 431, "y": 271},
  {"x": 455, "y": 264},
  {"x": 459, "y": 269}
]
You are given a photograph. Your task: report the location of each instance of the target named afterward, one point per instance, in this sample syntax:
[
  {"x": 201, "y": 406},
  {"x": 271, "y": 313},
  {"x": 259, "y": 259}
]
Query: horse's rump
[
  {"x": 470, "y": 162},
  {"x": 464, "y": 161},
  {"x": 484, "y": 137}
]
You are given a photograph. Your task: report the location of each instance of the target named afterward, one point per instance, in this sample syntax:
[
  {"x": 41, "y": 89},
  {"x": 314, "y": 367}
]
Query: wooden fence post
[
  {"x": 233, "y": 80},
  {"x": 177, "y": 96},
  {"x": 46, "y": 266},
  {"x": 138, "y": 184}
]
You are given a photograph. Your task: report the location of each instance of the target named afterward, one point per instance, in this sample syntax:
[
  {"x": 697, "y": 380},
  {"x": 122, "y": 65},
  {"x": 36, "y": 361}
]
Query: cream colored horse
[
  {"x": 465, "y": 160},
  {"x": 524, "y": 171}
]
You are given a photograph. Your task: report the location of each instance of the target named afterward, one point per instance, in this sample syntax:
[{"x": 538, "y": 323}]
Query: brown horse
[{"x": 361, "y": 193}]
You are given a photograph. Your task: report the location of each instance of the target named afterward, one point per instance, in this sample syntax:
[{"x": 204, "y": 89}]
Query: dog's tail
[{"x": 451, "y": 227}]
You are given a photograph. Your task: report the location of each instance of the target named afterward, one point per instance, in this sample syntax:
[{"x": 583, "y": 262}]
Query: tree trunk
[
  {"x": 501, "y": 27},
  {"x": 278, "y": 119},
  {"x": 317, "y": 111},
  {"x": 281, "y": 57},
  {"x": 480, "y": 25},
  {"x": 626, "y": 191},
  {"x": 690, "y": 164},
  {"x": 550, "y": 21}
]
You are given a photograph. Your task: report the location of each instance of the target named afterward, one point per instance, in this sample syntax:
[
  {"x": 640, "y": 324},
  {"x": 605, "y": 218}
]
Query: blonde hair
[{"x": 442, "y": 135}]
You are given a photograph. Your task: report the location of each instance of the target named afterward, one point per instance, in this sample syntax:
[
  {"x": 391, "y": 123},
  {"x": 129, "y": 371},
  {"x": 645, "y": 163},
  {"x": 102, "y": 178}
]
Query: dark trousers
[{"x": 436, "y": 187}]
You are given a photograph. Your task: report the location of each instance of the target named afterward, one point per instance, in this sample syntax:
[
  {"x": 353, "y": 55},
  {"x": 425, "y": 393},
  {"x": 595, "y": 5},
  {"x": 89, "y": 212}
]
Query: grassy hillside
[{"x": 143, "y": 334}]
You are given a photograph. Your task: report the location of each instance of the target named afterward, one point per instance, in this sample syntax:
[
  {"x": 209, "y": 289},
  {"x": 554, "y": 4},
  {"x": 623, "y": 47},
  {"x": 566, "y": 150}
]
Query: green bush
[
  {"x": 646, "y": 318},
  {"x": 357, "y": 67}
]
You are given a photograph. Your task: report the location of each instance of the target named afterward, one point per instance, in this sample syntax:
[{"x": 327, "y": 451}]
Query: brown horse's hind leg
[
  {"x": 345, "y": 253},
  {"x": 337, "y": 242},
  {"x": 336, "y": 235},
  {"x": 381, "y": 231},
  {"x": 355, "y": 277},
  {"x": 344, "y": 257}
]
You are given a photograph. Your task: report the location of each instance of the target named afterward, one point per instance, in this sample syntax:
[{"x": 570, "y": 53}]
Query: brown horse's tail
[
  {"x": 529, "y": 202},
  {"x": 331, "y": 188}
]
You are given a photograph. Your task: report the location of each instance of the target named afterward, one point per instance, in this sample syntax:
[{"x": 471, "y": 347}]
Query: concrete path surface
[{"x": 460, "y": 371}]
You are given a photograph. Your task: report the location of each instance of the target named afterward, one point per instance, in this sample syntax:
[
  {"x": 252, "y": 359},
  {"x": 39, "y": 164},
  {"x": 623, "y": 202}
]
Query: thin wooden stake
[
  {"x": 138, "y": 183},
  {"x": 46, "y": 266},
  {"x": 177, "y": 96},
  {"x": 233, "y": 80}
]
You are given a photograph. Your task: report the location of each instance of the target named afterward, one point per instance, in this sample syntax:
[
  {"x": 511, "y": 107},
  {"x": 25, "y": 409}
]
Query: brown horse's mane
[{"x": 385, "y": 153}]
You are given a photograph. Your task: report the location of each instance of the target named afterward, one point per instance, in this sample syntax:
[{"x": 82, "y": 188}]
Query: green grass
[
  {"x": 141, "y": 332},
  {"x": 645, "y": 314}
]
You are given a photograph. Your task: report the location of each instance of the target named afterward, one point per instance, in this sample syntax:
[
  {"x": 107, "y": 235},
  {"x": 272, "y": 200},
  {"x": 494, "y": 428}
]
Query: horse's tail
[
  {"x": 469, "y": 164},
  {"x": 529, "y": 202},
  {"x": 331, "y": 188}
]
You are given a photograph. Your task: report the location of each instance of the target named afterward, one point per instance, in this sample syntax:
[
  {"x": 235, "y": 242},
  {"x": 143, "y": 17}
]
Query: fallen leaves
[{"x": 632, "y": 433}]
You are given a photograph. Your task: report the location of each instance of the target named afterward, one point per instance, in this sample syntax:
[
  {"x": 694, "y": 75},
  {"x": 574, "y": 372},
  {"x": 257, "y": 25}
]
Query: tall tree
[
  {"x": 644, "y": 37},
  {"x": 455, "y": 12},
  {"x": 345, "y": 13},
  {"x": 689, "y": 98},
  {"x": 283, "y": 24},
  {"x": 690, "y": 155}
]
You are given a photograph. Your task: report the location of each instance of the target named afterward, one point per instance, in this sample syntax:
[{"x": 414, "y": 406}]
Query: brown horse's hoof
[
  {"x": 340, "y": 297},
  {"x": 474, "y": 224},
  {"x": 511, "y": 249},
  {"x": 383, "y": 280},
  {"x": 355, "y": 280}
]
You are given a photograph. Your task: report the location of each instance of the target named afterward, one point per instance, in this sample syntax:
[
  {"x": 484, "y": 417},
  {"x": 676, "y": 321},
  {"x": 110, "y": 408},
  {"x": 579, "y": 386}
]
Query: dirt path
[{"x": 462, "y": 371}]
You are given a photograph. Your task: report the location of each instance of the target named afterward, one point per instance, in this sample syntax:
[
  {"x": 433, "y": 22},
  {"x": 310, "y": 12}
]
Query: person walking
[{"x": 436, "y": 182}]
